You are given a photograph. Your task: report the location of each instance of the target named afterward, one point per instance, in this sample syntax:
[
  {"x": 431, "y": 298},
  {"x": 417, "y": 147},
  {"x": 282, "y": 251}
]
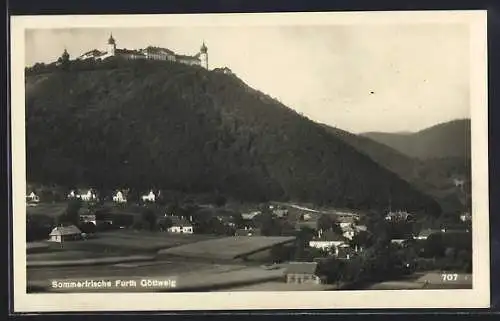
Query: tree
[
  {"x": 269, "y": 225},
  {"x": 361, "y": 240},
  {"x": 433, "y": 246},
  {"x": 165, "y": 223},
  {"x": 331, "y": 268},
  {"x": 149, "y": 219},
  {"x": 336, "y": 228},
  {"x": 88, "y": 227},
  {"x": 71, "y": 214},
  {"x": 138, "y": 225},
  {"x": 324, "y": 223},
  {"x": 281, "y": 253},
  {"x": 220, "y": 200}
]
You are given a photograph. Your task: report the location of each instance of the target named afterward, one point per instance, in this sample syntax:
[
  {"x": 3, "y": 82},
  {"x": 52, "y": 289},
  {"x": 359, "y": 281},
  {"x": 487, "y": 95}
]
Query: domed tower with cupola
[
  {"x": 111, "y": 45},
  {"x": 204, "y": 56},
  {"x": 65, "y": 56}
]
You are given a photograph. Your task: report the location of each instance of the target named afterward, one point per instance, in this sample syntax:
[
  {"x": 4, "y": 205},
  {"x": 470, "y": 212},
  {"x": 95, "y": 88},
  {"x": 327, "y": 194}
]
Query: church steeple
[
  {"x": 65, "y": 55},
  {"x": 111, "y": 45},
  {"x": 204, "y": 55},
  {"x": 203, "y": 48},
  {"x": 111, "y": 40}
]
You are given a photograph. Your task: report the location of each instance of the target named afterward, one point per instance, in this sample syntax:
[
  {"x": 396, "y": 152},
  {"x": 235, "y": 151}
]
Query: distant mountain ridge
[
  {"x": 434, "y": 176},
  {"x": 449, "y": 139},
  {"x": 145, "y": 124}
]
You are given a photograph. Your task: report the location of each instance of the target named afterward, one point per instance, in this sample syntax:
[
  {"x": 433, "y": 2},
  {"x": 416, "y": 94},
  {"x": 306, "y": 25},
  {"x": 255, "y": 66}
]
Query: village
[{"x": 289, "y": 244}]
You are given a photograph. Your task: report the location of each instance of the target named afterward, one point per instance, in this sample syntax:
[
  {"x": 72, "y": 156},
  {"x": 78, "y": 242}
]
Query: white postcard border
[{"x": 479, "y": 296}]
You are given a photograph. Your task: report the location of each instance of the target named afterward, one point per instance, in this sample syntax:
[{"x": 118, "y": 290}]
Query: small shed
[
  {"x": 65, "y": 233},
  {"x": 302, "y": 272}
]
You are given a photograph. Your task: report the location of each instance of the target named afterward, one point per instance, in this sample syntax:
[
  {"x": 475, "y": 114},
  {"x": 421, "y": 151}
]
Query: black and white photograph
[{"x": 243, "y": 161}]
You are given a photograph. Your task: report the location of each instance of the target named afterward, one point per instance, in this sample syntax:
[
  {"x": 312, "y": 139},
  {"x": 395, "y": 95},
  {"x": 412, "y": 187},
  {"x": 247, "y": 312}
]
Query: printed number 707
[{"x": 449, "y": 277}]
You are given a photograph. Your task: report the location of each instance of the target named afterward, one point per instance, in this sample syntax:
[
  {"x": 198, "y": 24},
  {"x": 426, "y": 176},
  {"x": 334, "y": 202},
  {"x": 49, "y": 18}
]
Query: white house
[
  {"x": 119, "y": 197},
  {"x": 399, "y": 241},
  {"x": 280, "y": 212},
  {"x": 424, "y": 234},
  {"x": 459, "y": 183},
  {"x": 251, "y": 215},
  {"x": 151, "y": 197},
  {"x": 466, "y": 217},
  {"x": 89, "y": 196},
  {"x": 352, "y": 230},
  {"x": 32, "y": 197},
  {"x": 398, "y": 216},
  {"x": 180, "y": 226},
  {"x": 65, "y": 233},
  {"x": 306, "y": 216},
  {"x": 346, "y": 222},
  {"x": 328, "y": 241}
]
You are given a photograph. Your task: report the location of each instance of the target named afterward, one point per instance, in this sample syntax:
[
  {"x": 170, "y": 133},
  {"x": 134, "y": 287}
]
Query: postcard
[{"x": 250, "y": 161}]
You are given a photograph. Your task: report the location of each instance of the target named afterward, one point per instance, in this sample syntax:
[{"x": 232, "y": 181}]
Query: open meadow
[
  {"x": 228, "y": 247},
  {"x": 47, "y": 209},
  {"x": 110, "y": 244}
]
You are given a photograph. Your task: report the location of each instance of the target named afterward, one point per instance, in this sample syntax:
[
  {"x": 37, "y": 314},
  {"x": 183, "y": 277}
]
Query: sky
[{"x": 359, "y": 78}]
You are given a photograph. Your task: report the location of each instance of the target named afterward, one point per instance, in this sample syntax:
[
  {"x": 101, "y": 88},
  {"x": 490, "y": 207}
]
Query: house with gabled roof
[
  {"x": 120, "y": 197},
  {"x": 65, "y": 233},
  {"x": 302, "y": 272},
  {"x": 180, "y": 226},
  {"x": 32, "y": 198}
]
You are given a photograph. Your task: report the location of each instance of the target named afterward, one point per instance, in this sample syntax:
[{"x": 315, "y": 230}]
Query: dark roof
[
  {"x": 203, "y": 48},
  {"x": 129, "y": 51},
  {"x": 301, "y": 267},
  {"x": 66, "y": 230},
  {"x": 330, "y": 236},
  {"x": 222, "y": 69},
  {"x": 111, "y": 40},
  {"x": 309, "y": 224},
  {"x": 95, "y": 52},
  {"x": 345, "y": 219},
  {"x": 178, "y": 221},
  {"x": 151, "y": 49}
]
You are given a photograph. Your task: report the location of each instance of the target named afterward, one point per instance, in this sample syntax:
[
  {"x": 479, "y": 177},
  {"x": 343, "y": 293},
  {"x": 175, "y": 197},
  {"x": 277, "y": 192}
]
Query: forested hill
[
  {"x": 434, "y": 177},
  {"x": 145, "y": 123},
  {"x": 450, "y": 139}
]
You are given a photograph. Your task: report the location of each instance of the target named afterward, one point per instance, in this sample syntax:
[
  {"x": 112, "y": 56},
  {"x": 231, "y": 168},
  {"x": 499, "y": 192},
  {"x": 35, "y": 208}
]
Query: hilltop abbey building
[{"x": 153, "y": 53}]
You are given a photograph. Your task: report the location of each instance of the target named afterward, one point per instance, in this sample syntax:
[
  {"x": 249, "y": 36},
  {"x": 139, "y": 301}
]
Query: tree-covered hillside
[{"x": 148, "y": 124}]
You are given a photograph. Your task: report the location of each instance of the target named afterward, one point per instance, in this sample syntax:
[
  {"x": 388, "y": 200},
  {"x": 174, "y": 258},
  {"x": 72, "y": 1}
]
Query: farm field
[
  {"x": 120, "y": 242},
  {"x": 64, "y": 255},
  {"x": 227, "y": 247},
  {"x": 47, "y": 209}
]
